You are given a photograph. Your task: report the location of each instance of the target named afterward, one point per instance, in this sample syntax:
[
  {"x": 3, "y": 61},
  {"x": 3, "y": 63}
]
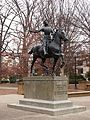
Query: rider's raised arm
[
  {"x": 33, "y": 31},
  {"x": 36, "y": 31}
]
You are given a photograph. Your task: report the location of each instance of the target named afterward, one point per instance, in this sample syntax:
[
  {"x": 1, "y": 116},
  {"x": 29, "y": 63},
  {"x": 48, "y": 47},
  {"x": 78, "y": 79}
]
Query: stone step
[
  {"x": 59, "y": 111},
  {"x": 46, "y": 104}
]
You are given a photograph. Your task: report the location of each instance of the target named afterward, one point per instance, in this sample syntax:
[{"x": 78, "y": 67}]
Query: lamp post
[{"x": 75, "y": 56}]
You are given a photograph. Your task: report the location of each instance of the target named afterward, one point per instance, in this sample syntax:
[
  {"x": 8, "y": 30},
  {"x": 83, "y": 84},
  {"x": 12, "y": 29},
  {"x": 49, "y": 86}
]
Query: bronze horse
[{"x": 54, "y": 50}]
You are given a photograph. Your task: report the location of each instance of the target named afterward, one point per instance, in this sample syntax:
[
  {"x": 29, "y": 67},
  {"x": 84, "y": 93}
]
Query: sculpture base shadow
[{"x": 48, "y": 95}]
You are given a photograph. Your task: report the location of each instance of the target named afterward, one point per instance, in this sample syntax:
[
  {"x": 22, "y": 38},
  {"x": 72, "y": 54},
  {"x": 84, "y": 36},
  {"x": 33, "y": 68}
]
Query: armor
[{"x": 47, "y": 36}]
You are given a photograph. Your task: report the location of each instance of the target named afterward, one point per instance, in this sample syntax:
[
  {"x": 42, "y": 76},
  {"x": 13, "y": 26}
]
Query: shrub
[
  {"x": 88, "y": 75},
  {"x": 12, "y": 79},
  {"x": 78, "y": 78}
]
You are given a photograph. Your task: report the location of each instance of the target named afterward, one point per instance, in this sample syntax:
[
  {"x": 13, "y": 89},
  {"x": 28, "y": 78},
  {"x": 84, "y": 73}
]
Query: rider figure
[{"x": 47, "y": 36}]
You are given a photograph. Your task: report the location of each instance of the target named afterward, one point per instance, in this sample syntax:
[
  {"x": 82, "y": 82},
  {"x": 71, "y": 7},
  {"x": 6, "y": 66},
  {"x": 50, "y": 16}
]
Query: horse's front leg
[
  {"x": 42, "y": 64},
  {"x": 63, "y": 63}
]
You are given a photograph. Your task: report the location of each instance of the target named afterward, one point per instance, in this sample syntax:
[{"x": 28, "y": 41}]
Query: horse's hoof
[
  {"x": 62, "y": 65},
  {"x": 31, "y": 74},
  {"x": 53, "y": 74}
]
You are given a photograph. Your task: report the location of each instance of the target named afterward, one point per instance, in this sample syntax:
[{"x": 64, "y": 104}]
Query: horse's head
[{"x": 61, "y": 34}]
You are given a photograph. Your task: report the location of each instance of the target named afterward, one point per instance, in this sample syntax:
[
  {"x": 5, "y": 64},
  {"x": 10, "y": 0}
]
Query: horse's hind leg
[
  {"x": 54, "y": 64},
  {"x": 34, "y": 59}
]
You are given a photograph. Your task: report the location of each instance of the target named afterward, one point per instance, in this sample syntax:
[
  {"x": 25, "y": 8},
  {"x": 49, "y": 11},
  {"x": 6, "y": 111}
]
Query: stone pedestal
[
  {"x": 46, "y": 88},
  {"x": 46, "y": 94}
]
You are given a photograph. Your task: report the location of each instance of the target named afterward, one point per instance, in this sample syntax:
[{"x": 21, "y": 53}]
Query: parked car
[{"x": 4, "y": 80}]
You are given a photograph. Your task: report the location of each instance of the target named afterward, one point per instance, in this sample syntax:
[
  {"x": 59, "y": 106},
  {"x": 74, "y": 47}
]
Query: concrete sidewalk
[{"x": 14, "y": 114}]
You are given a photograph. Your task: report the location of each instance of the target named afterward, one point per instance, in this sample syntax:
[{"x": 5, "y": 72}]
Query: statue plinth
[
  {"x": 46, "y": 88},
  {"x": 47, "y": 94}
]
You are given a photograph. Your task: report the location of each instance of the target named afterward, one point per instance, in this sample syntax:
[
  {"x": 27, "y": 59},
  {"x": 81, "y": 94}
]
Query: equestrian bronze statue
[{"x": 54, "y": 50}]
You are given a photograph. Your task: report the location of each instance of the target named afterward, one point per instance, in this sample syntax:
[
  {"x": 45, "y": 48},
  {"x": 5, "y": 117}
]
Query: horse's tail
[{"x": 31, "y": 51}]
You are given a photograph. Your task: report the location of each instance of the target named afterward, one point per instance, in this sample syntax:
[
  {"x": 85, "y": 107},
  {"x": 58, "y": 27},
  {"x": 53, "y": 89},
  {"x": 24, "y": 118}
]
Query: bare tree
[
  {"x": 83, "y": 23},
  {"x": 59, "y": 14},
  {"x": 64, "y": 18},
  {"x": 6, "y": 20},
  {"x": 26, "y": 10}
]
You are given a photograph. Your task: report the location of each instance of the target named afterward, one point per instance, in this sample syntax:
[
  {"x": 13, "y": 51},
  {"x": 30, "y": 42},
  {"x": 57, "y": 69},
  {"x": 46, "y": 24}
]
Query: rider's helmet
[{"x": 45, "y": 23}]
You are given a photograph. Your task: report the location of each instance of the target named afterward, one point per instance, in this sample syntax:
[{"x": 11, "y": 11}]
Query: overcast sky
[{"x": 11, "y": 44}]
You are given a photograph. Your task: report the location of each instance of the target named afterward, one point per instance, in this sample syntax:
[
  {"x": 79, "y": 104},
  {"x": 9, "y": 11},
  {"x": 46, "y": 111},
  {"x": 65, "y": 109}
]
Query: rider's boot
[{"x": 45, "y": 52}]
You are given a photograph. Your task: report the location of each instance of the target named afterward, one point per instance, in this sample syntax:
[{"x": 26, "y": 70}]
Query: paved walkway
[
  {"x": 14, "y": 114},
  {"x": 8, "y": 90}
]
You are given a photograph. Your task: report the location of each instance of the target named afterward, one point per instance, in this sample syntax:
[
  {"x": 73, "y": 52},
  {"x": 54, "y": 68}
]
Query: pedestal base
[
  {"x": 46, "y": 95},
  {"x": 48, "y": 107}
]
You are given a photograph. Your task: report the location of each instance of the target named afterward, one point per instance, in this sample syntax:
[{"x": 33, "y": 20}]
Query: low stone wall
[
  {"x": 20, "y": 89},
  {"x": 84, "y": 85}
]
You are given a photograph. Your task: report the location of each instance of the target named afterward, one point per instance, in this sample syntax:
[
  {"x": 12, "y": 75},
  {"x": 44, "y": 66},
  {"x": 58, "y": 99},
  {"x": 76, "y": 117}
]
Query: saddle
[{"x": 52, "y": 48}]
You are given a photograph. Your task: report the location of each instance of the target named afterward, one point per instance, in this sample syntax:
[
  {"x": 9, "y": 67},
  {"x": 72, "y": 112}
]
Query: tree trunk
[{"x": 24, "y": 60}]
